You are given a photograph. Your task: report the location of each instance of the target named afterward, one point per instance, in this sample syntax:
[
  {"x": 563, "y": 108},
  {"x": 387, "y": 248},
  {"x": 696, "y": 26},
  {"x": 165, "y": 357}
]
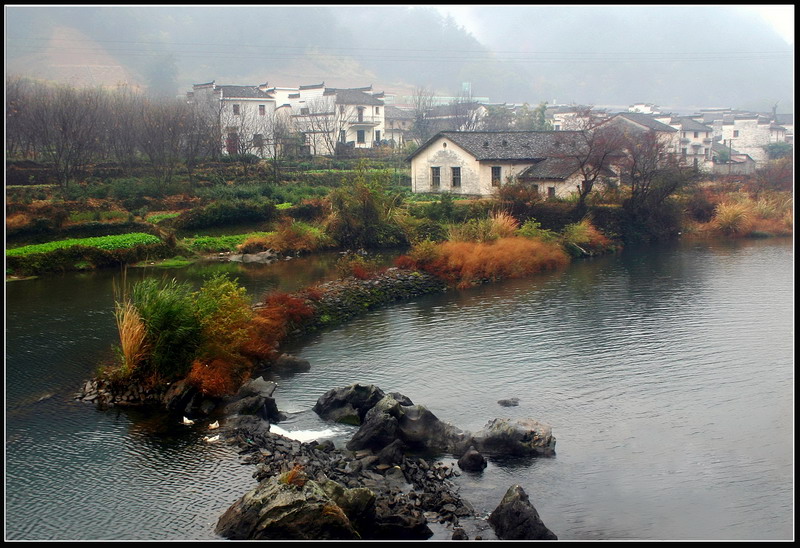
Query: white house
[
  {"x": 635, "y": 121},
  {"x": 477, "y": 163},
  {"x": 750, "y": 133},
  {"x": 398, "y": 124},
  {"x": 328, "y": 117},
  {"x": 694, "y": 141},
  {"x": 245, "y": 114},
  {"x": 252, "y": 117}
]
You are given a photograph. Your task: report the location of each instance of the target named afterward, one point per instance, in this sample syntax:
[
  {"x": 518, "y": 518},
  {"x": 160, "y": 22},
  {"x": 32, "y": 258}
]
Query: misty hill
[{"x": 672, "y": 56}]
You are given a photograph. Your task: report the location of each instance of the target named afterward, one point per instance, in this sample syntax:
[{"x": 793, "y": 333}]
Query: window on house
[
  {"x": 377, "y": 110},
  {"x": 551, "y": 192},
  {"x": 456, "y": 176},
  {"x": 556, "y": 127},
  {"x": 683, "y": 152},
  {"x": 360, "y": 136},
  {"x": 496, "y": 173},
  {"x": 236, "y": 110},
  {"x": 435, "y": 176},
  {"x": 342, "y": 135},
  {"x": 377, "y": 135},
  {"x": 535, "y": 188},
  {"x": 258, "y": 140},
  {"x": 735, "y": 132},
  {"x": 262, "y": 110},
  {"x": 360, "y": 114},
  {"x": 303, "y": 110},
  {"x": 696, "y": 134},
  {"x": 341, "y": 109}
]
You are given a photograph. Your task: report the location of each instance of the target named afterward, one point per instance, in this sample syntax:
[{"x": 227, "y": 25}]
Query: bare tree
[
  {"x": 423, "y": 124},
  {"x": 593, "y": 149},
  {"x": 649, "y": 169},
  {"x": 465, "y": 113},
  {"x": 19, "y": 98},
  {"x": 162, "y": 125},
  {"x": 322, "y": 122},
  {"x": 64, "y": 122}
]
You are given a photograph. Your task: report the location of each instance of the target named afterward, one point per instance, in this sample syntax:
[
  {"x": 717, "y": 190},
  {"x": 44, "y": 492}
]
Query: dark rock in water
[
  {"x": 510, "y": 402},
  {"x": 392, "y": 453},
  {"x": 515, "y": 518},
  {"x": 472, "y": 461},
  {"x": 266, "y": 408},
  {"x": 377, "y": 432},
  {"x": 284, "y": 509},
  {"x": 348, "y": 405},
  {"x": 256, "y": 387},
  {"x": 290, "y": 364},
  {"x": 255, "y": 398},
  {"x": 518, "y": 437},
  {"x": 179, "y": 396}
]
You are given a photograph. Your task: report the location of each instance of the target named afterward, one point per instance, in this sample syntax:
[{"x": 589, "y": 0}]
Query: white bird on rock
[
  {"x": 214, "y": 425},
  {"x": 211, "y": 439},
  {"x": 188, "y": 421}
]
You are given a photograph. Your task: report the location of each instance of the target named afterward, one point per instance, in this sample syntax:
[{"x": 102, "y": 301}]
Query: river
[{"x": 667, "y": 374}]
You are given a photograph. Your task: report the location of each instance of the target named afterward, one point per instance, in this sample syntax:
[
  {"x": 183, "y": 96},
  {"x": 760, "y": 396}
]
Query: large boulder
[
  {"x": 348, "y": 405},
  {"x": 377, "y": 431},
  {"x": 515, "y": 518},
  {"x": 287, "y": 363},
  {"x": 472, "y": 461},
  {"x": 282, "y": 508},
  {"x": 255, "y": 398},
  {"x": 523, "y": 437}
]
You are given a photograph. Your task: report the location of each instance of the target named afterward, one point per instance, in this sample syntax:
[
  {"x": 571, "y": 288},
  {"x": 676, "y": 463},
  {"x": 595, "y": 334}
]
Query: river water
[{"x": 666, "y": 373}]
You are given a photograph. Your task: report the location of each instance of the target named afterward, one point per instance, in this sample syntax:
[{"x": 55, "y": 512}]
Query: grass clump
[{"x": 464, "y": 264}]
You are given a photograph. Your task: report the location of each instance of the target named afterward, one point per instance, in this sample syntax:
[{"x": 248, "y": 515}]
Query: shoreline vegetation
[{"x": 192, "y": 352}]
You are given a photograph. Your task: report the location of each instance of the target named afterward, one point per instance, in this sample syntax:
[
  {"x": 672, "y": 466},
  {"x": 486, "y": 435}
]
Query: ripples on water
[
  {"x": 667, "y": 377},
  {"x": 667, "y": 380}
]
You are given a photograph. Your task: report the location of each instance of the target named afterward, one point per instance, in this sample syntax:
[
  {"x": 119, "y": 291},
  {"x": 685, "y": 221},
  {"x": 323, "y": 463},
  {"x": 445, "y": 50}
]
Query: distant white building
[{"x": 255, "y": 119}]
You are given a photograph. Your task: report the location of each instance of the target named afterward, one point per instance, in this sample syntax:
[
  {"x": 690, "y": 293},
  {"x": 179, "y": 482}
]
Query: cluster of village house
[{"x": 460, "y": 157}]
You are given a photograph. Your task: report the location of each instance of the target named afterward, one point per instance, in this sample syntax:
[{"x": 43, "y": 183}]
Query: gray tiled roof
[
  {"x": 394, "y": 113},
  {"x": 555, "y": 168},
  {"x": 355, "y": 97},
  {"x": 646, "y": 120},
  {"x": 243, "y": 92},
  {"x": 508, "y": 145},
  {"x": 688, "y": 124}
]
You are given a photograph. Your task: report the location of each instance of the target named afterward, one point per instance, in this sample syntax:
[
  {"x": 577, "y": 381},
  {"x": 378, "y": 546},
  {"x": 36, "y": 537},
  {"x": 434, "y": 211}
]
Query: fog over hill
[{"x": 680, "y": 56}]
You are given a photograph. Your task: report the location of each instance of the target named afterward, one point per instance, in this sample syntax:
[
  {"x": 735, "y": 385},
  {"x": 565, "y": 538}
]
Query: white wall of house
[
  {"x": 561, "y": 188},
  {"x": 750, "y": 135},
  {"x": 475, "y": 176}
]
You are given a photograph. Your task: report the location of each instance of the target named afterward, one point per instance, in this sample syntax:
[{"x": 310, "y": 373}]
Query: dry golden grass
[
  {"x": 132, "y": 335},
  {"x": 469, "y": 263}
]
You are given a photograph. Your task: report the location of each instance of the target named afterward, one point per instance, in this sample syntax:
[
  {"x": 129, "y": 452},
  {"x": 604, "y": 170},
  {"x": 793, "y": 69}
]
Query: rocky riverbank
[
  {"x": 383, "y": 484},
  {"x": 380, "y": 485}
]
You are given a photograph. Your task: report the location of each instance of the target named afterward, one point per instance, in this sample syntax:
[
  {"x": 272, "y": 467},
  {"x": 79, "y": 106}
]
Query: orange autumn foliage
[
  {"x": 273, "y": 321},
  {"x": 216, "y": 377},
  {"x": 469, "y": 263}
]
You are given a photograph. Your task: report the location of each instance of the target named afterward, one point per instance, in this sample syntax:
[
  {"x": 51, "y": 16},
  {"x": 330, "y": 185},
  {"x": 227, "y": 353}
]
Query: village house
[
  {"x": 477, "y": 163},
  {"x": 254, "y": 119},
  {"x": 638, "y": 122},
  {"x": 331, "y": 117},
  {"x": 750, "y": 133},
  {"x": 399, "y": 125},
  {"x": 729, "y": 161},
  {"x": 245, "y": 115},
  {"x": 695, "y": 140}
]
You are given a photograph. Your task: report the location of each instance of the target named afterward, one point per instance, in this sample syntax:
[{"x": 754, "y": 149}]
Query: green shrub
[
  {"x": 212, "y": 244},
  {"x": 167, "y": 309},
  {"x": 227, "y": 213},
  {"x": 533, "y": 229}
]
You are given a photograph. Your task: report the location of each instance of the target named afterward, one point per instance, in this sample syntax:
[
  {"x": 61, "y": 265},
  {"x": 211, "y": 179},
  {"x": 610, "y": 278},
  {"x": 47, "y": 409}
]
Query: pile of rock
[{"x": 398, "y": 494}]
